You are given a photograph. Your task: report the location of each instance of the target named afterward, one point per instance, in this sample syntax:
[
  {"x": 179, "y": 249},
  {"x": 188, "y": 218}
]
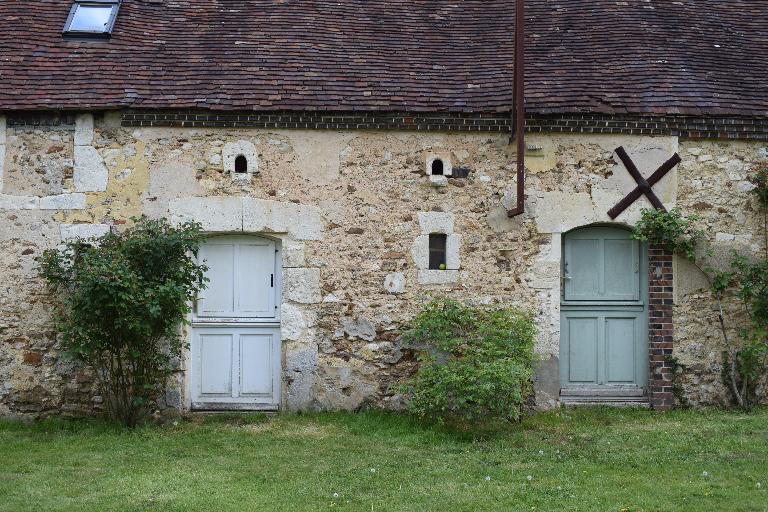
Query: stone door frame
[{"x": 292, "y": 226}]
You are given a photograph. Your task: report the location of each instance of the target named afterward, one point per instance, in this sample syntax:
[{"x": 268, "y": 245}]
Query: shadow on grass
[{"x": 390, "y": 425}]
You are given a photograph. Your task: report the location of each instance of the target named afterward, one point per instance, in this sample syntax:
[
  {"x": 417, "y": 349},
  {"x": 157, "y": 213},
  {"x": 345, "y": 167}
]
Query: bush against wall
[
  {"x": 476, "y": 364},
  {"x": 121, "y": 301}
]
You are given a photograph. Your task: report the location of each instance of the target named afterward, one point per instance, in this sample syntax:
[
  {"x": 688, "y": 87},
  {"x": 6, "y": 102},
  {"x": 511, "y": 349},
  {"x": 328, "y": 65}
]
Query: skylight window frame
[{"x": 114, "y": 4}]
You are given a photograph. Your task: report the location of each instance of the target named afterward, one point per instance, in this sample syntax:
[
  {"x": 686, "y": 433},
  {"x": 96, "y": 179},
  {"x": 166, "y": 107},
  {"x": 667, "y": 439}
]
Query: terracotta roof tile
[{"x": 610, "y": 56}]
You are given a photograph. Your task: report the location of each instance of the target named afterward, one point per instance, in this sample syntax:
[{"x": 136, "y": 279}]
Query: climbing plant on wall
[
  {"x": 748, "y": 280},
  {"x": 745, "y": 359},
  {"x": 121, "y": 301}
]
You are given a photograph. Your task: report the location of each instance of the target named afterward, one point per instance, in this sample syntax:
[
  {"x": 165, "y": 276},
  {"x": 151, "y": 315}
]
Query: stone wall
[
  {"x": 713, "y": 185},
  {"x": 350, "y": 208}
]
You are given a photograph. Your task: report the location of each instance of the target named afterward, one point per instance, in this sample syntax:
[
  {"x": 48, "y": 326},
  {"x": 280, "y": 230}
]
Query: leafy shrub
[
  {"x": 476, "y": 364},
  {"x": 122, "y": 300},
  {"x": 671, "y": 230}
]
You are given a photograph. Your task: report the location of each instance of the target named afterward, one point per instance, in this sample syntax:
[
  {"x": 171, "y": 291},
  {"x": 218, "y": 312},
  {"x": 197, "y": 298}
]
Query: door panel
[
  {"x": 255, "y": 281},
  {"x": 218, "y": 297},
  {"x": 620, "y": 339},
  {"x": 582, "y": 350},
  {"x": 215, "y": 363},
  {"x": 236, "y": 365},
  {"x": 601, "y": 264},
  {"x": 621, "y": 271},
  {"x": 256, "y": 363},
  {"x": 603, "y": 346},
  {"x": 583, "y": 269},
  {"x": 241, "y": 274}
]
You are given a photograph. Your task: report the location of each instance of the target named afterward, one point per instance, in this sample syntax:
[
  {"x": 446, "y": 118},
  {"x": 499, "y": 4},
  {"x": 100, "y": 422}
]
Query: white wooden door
[
  {"x": 235, "y": 349},
  {"x": 241, "y": 273}
]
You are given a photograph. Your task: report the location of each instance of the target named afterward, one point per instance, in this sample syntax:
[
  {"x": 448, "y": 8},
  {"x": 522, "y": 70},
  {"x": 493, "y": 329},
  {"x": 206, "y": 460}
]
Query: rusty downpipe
[{"x": 518, "y": 112}]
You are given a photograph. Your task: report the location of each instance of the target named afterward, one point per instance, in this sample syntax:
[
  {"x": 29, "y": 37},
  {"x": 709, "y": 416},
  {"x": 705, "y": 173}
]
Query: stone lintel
[
  {"x": 215, "y": 214},
  {"x": 250, "y": 215},
  {"x": 436, "y": 222},
  {"x": 299, "y": 221}
]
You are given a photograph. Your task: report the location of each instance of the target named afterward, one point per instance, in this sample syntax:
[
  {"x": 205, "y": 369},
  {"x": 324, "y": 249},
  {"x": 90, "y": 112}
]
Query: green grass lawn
[{"x": 574, "y": 459}]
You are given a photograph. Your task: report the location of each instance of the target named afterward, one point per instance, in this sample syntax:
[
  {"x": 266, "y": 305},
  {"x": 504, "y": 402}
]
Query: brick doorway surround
[{"x": 660, "y": 340}]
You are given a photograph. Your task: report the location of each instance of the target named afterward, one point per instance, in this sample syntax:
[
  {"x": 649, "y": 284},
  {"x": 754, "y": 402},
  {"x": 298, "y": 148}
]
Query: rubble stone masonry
[{"x": 350, "y": 209}]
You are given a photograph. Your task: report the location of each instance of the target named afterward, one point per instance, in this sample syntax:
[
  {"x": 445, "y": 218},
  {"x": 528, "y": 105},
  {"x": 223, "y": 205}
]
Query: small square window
[
  {"x": 92, "y": 17},
  {"x": 437, "y": 251}
]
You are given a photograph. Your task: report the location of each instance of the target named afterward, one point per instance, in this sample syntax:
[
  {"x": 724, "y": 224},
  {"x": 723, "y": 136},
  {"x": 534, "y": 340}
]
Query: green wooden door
[
  {"x": 603, "y": 310},
  {"x": 601, "y": 264}
]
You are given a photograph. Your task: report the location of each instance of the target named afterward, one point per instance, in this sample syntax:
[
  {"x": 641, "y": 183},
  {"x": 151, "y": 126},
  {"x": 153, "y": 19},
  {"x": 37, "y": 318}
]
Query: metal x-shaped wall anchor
[{"x": 643, "y": 185}]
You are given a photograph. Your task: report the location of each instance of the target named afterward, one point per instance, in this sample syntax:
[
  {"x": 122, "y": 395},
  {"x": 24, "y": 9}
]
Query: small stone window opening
[
  {"x": 241, "y": 164},
  {"x": 437, "y": 167},
  {"x": 438, "y": 243}
]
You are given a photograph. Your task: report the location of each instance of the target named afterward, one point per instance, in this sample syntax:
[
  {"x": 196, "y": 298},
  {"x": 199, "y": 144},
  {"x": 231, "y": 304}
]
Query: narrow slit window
[
  {"x": 437, "y": 167},
  {"x": 437, "y": 251},
  {"x": 92, "y": 18},
  {"x": 241, "y": 164}
]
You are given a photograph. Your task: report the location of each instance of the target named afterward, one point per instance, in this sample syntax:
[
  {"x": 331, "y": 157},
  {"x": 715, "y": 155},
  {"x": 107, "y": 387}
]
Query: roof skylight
[{"x": 92, "y": 17}]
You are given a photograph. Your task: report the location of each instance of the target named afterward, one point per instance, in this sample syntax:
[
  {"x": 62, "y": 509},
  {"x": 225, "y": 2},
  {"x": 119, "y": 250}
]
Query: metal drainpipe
[{"x": 519, "y": 109}]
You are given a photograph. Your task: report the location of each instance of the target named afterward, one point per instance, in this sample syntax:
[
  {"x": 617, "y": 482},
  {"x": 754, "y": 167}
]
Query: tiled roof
[{"x": 633, "y": 56}]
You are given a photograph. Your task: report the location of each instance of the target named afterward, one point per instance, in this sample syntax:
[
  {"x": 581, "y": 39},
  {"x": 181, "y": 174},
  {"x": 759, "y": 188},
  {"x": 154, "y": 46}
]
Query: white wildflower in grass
[
  {"x": 175, "y": 423},
  {"x": 529, "y": 478},
  {"x": 335, "y": 495},
  {"x": 373, "y": 470},
  {"x": 541, "y": 452},
  {"x": 704, "y": 474},
  {"x": 758, "y": 485},
  {"x": 487, "y": 478}
]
